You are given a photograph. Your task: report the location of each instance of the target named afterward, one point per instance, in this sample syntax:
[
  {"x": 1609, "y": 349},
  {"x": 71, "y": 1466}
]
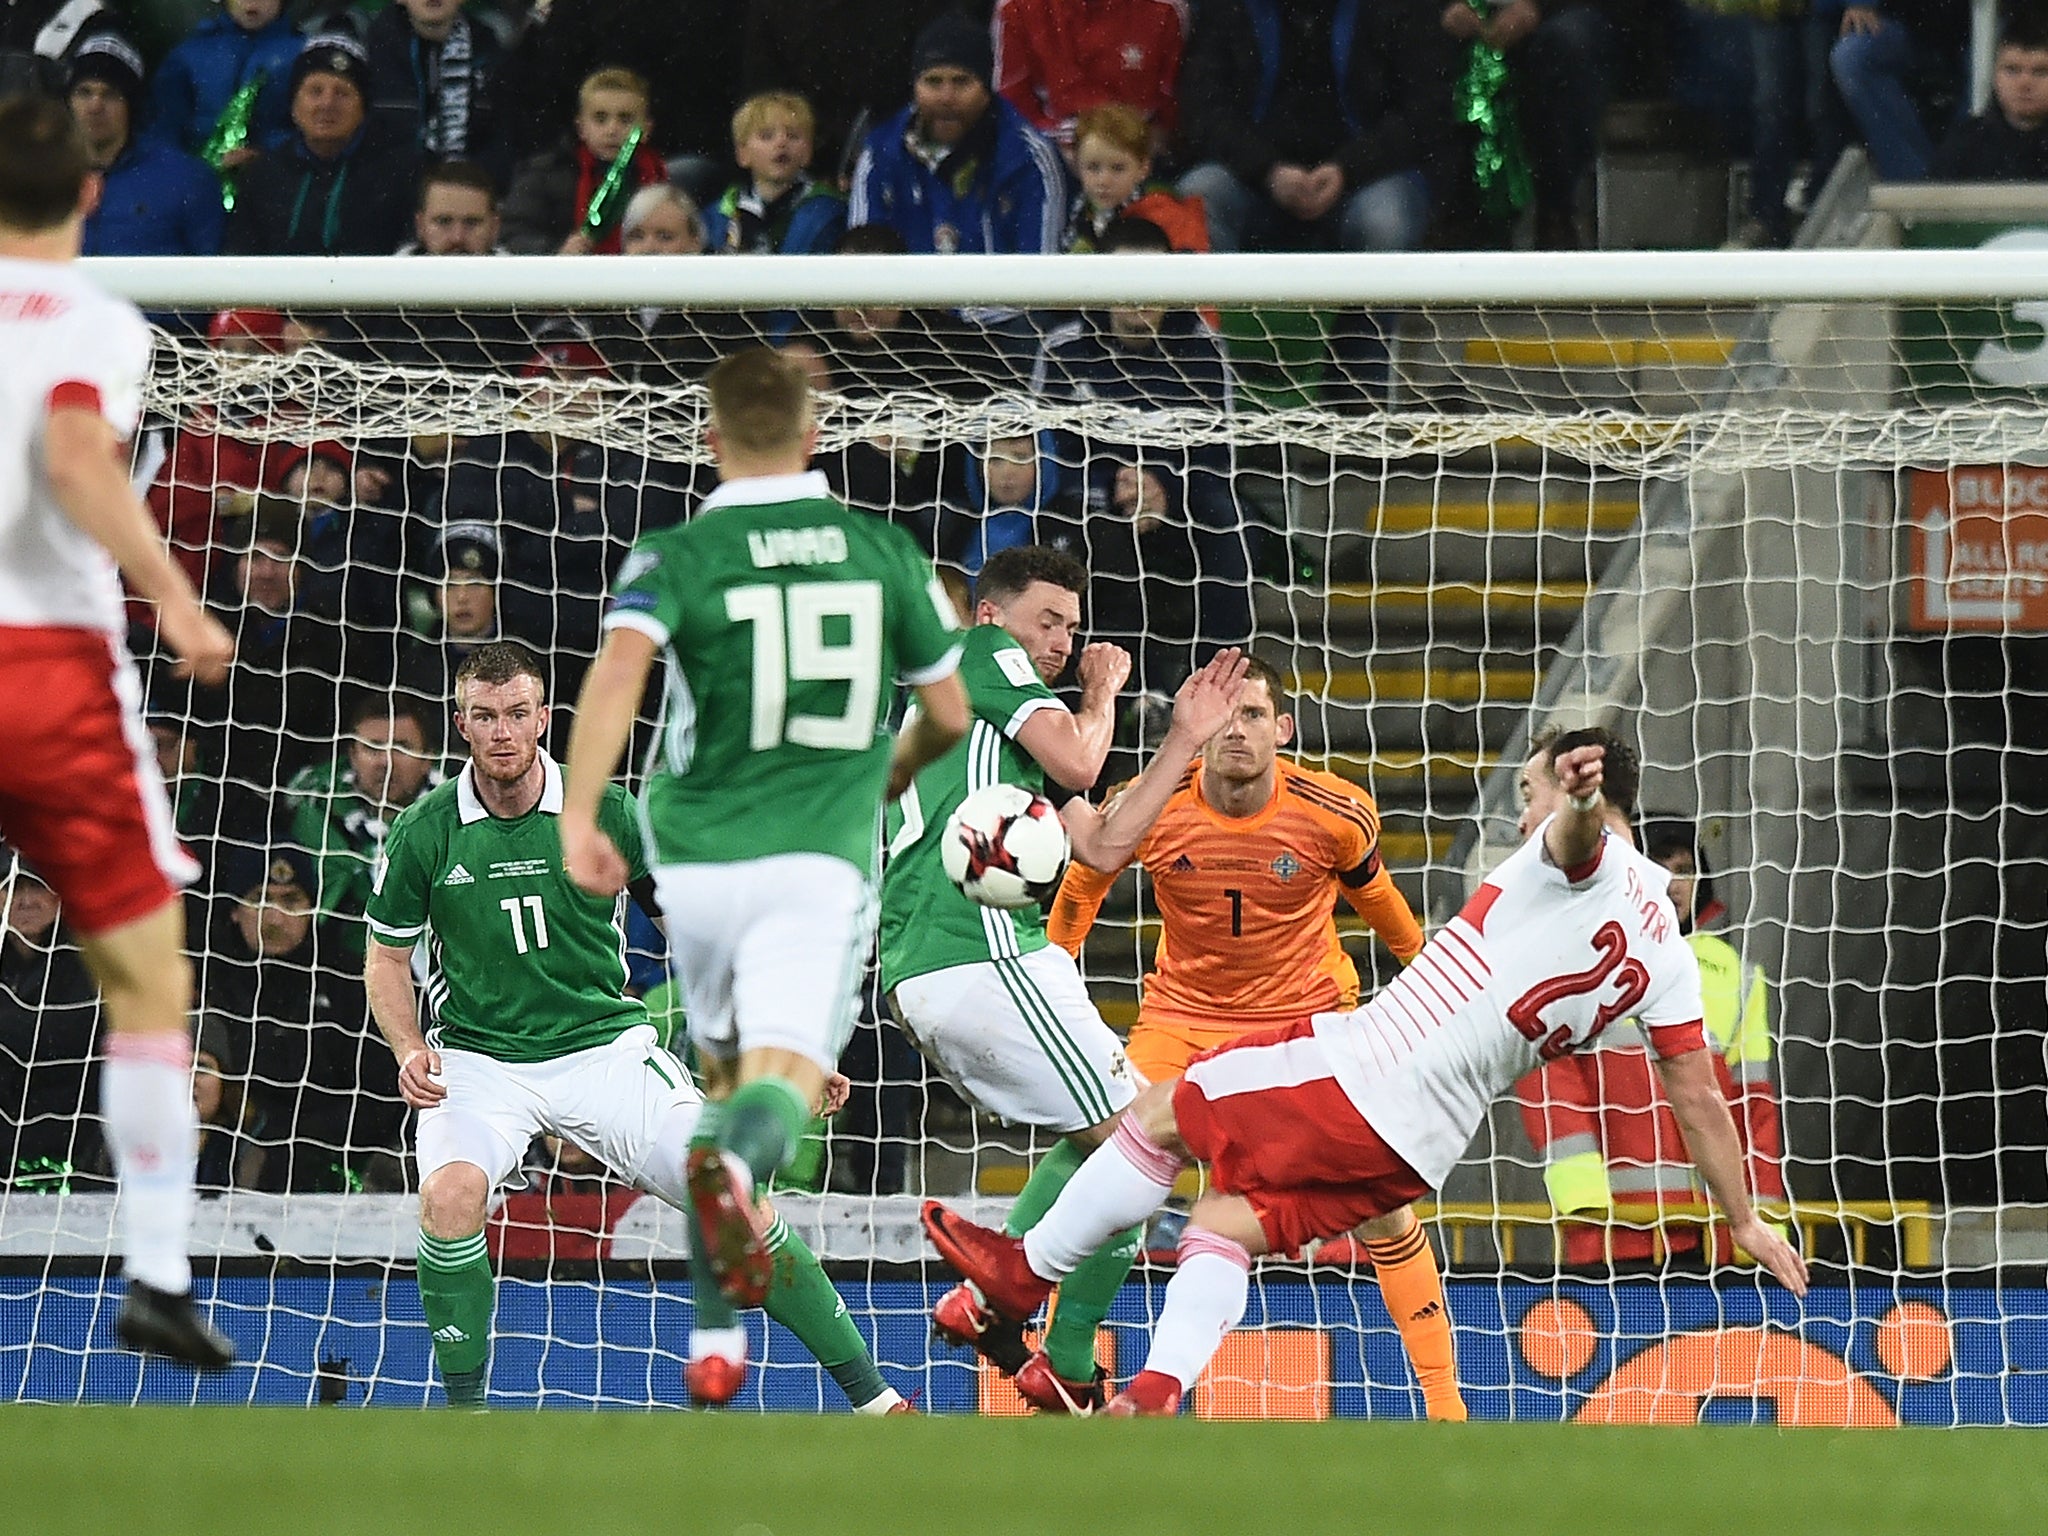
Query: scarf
[
  {"x": 646, "y": 169},
  {"x": 447, "y": 82}
]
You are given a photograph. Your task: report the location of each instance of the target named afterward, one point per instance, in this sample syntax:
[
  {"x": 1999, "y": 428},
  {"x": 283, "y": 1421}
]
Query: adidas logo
[
  {"x": 1183, "y": 865},
  {"x": 1430, "y": 1310},
  {"x": 450, "y": 1335},
  {"x": 459, "y": 876}
]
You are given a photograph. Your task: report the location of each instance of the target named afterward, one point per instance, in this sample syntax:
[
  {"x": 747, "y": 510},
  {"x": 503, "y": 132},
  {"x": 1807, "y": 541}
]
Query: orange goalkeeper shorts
[{"x": 1159, "y": 1048}]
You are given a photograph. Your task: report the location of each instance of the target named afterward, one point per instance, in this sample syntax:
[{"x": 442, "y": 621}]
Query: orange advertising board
[{"x": 1977, "y": 549}]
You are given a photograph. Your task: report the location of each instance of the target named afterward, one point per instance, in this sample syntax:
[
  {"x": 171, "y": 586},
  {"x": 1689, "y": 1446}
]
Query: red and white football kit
[
  {"x": 1324, "y": 1124},
  {"x": 80, "y": 795}
]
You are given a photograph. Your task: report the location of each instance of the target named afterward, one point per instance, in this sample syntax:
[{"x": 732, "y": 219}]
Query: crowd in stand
[{"x": 356, "y": 575}]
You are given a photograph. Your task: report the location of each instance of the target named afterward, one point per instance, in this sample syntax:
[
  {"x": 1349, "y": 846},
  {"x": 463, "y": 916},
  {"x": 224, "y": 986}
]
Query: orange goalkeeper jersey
[{"x": 1248, "y": 905}]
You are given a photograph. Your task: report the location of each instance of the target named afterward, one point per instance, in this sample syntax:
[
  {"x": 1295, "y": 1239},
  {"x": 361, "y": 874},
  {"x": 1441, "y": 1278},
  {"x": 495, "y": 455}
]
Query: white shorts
[
  {"x": 1020, "y": 1039},
  {"x": 613, "y": 1101},
  {"x": 770, "y": 952}
]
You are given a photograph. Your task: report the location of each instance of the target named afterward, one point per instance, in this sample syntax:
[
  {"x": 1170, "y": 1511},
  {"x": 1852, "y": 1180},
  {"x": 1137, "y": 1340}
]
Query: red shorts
[
  {"x": 1269, "y": 1119},
  {"x": 80, "y": 795}
]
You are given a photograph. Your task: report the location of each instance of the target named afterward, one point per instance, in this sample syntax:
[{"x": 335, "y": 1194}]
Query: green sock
[
  {"x": 809, "y": 1306},
  {"x": 1084, "y": 1301},
  {"x": 1044, "y": 1185},
  {"x": 763, "y": 1123},
  {"x": 713, "y": 1310},
  {"x": 457, "y": 1294}
]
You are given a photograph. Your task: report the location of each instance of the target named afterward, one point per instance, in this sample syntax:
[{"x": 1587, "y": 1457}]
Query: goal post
[{"x": 1776, "y": 517}]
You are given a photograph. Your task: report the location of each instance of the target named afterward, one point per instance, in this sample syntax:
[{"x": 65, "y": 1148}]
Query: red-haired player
[{"x": 80, "y": 795}]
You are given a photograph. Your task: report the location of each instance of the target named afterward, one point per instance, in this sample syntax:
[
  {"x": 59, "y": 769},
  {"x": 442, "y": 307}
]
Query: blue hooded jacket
[
  {"x": 157, "y": 201},
  {"x": 1002, "y": 191},
  {"x": 200, "y": 76}
]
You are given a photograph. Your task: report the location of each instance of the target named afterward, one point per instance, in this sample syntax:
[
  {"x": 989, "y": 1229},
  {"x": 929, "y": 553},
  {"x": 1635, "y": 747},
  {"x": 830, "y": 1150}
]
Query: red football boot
[
  {"x": 992, "y": 1260},
  {"x": 901, "y": 1405},
  {"x": 734, "y": 1230},
  {"x": 715, "y": 1381},
  {"x": 963, "y": 1320},
  {"x": 1049, "y": 1392},
  {"x": 1153, "y": 1395}
]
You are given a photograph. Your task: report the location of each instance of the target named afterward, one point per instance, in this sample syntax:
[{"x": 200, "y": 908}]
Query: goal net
[{"x": 1778, "y": 520}]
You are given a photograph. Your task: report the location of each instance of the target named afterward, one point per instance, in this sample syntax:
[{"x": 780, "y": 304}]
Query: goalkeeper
[{"x": 534, "y": 1031}]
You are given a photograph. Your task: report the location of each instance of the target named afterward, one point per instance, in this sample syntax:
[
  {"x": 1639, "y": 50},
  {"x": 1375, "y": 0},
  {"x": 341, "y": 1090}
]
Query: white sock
[
  {"x": 1204, "y": 1301},
  {"x": 1127, "y": 1179},
  {"x": 726, "y": 1343},
  {"x": 146, "y": 1100},
  {"x": 881, "y": 1404}
]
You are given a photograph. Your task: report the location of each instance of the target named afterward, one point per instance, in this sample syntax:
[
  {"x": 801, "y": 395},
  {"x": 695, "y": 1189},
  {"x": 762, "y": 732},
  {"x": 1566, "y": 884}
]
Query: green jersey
[
  {"x": 927, "y": 925},
  {"x": 785, "y": 619},
  {"x": 526, "y": 965}
]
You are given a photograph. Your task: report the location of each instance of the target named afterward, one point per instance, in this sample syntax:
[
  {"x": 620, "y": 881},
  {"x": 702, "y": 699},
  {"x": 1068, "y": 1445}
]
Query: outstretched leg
[{"x": 1204, "y": 1301}]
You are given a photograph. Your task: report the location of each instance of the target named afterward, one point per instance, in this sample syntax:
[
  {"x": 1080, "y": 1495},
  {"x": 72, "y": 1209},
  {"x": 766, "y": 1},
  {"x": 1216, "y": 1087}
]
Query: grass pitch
[{"x": 355, "y": 1472}]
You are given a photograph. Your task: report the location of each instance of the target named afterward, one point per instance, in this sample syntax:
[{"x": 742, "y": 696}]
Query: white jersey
[
  {"x": 1534, "y": 967},
  {"x": 62, "y": 341}
]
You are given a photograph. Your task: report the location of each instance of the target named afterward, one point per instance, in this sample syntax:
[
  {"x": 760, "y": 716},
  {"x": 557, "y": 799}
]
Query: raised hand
[
  {"x": 1204, "y": 703},
  {"x": 1581, "y": 771}
]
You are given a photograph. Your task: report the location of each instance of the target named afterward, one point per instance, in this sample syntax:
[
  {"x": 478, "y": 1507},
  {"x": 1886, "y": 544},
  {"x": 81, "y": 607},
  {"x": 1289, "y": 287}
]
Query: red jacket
[{"x": 1057, "y": 58}]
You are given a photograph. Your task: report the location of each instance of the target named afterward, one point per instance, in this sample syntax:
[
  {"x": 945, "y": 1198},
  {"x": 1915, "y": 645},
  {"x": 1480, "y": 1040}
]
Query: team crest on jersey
[
  {"x": 1287, "y": 866},
  {"x": 1182, "y": 865},
  {"x": 459, "y": 876}
]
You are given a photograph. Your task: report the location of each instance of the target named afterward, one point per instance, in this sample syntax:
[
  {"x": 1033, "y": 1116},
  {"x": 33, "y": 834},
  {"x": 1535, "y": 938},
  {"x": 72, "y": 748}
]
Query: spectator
[
  {"x": 337, "y": 186},
  {"x": 688, "y": 49},
  {"x": 1056, "y": 59},
  {"x": 845, "y": 57},
  {"x": 959, "y": 170},
  {"x": 1113, "y": 157},
  {"x": 323, "y": 1091},
  {"x": 278, "y": 703},
  {"x": 155, "y": 200},
  {"x": 1793, "y": 107},
  {"x": 1557, "y": 54},
  {"x": 217, "y": 457},
  {"x": 652, "y": 345},
  {"x": 434, "y": 82},
  {"x": 548, "y": 207},
  {"x": 465, "y": 612},
  {"x": 38, "y": 39},
  {"x": 777, "y": 209},
  {"x": 192, "y": 779},
  {"x": 342, "y": 809},
  {"x": 246, "y": 43},
  {"x": 1152, "y": 360},
  {"x": 1289, "y": 152},
  {"x": 1012, "y": 489},
  {"x": 352, "y": 550},
  {"x": 1600, "y": 1119},
  {"x": 2009, "y": 140},
  {"x": 49, "y": 1020},
  {"x": 564, "y": 510},
  {"x": 455, "y": 214},
  {"x": 227, "y": 1159},
  {"x": 1893, "y": 61}
]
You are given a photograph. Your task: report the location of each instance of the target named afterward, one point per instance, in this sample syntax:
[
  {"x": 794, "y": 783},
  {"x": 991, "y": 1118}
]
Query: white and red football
[{"x": 1005, "y": 847}]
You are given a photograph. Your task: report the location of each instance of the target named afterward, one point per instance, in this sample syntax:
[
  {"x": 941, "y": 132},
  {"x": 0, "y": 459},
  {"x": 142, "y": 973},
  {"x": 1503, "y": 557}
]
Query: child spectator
[
  {"x": 548, "y": 207},
  {"x": 337, "y": 186},
  {"x": 1113, "y": 154},
  {"x": 433, "y": 81},
  {"x": 2009, "y": 141},
  {"x": 778, "y": 209},
  {"x": 1057, "y": 59},
  {"x": 249, "y": 42}
]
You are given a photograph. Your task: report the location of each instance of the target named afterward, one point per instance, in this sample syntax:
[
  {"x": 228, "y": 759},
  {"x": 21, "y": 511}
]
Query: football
[{"x": 1005, "y": 847}]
